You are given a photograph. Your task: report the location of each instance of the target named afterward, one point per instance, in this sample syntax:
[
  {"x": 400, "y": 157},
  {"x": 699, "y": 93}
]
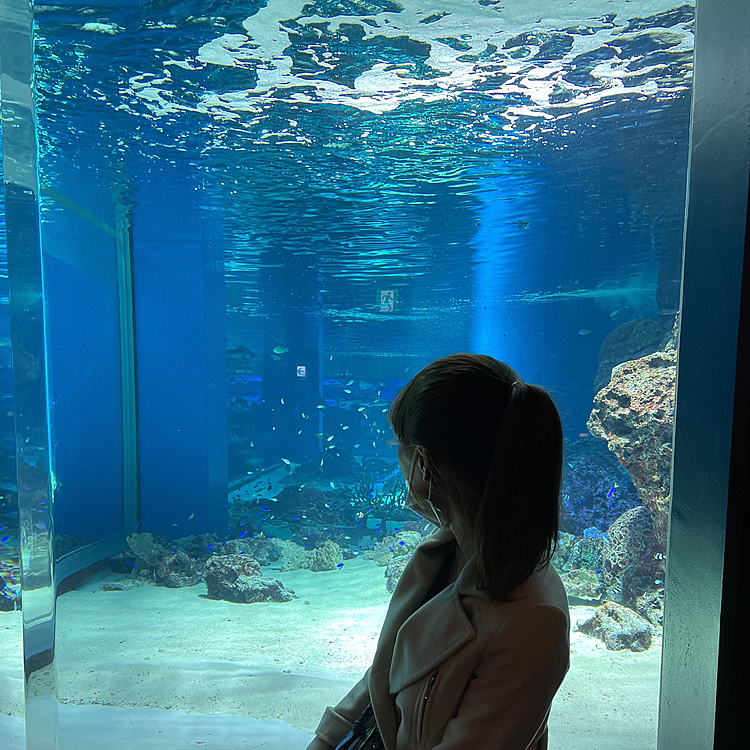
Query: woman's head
[{"x": 492, "y": 446}]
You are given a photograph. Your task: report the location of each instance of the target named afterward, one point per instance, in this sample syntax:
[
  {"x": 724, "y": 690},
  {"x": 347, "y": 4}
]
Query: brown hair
[{"x": 496, "y": 446}]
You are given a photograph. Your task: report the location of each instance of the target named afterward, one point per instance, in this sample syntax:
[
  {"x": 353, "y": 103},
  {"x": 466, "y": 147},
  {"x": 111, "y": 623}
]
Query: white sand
[{"x": 173, "y": 651}]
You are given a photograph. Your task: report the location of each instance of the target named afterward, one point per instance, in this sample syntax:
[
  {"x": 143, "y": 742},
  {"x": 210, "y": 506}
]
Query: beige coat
[{"x": 462, "y": 671}]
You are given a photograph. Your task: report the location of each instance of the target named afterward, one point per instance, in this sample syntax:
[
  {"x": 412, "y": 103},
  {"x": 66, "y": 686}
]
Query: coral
[
  {"x": 259, "y": 547},
  {"x": 197, "y": 546},
  {"x": 126, "y": 585},
  {"x": 565, "y": 542},
  {"x": 393, "y": 571},
  {"x": 632, "y": 340},
  {"x": 634, "y": 413},
  {"x": 176, "y": 569},
  {"x": 402, "y": 543},
  {"x": 292, "y": 555},
  {"x": 629, "y": 537},
  {"x": 237, "y": 578},
  {"x": 627, "y": 563},
  {"x": 586, "y": 553},
  {"x": 595, "y": 488},
  {"x": 583, "y": 586},
  {"x": 651, "y": 606},
  {"x": 618, "y": 628},
  {"x": 164, "y": 566},
  {"x": 147, "y": 548},
  {"x": 326, "y": 557},
  {"x": 122, "y": 561}
]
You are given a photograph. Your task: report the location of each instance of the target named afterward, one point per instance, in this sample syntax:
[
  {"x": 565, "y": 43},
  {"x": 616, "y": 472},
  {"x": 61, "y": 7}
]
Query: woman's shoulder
[{"x": 542, "y": 587}]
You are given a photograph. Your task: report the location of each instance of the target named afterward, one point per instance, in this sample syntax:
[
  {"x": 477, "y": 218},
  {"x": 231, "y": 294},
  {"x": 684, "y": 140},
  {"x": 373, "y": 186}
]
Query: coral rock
[
  {"x": 617, "y": 627},
  {"x": 632, "y": 340},
  {"x": 326, "y": 557},
  {"x": 393, "y": 572},
  {"x": 237, "y": 578},
  {"x": 634, "y": 413},
  {"x": 398, "y": 545},
  {"x": 259, "y": 547},
  {"x": 583, "y": 586},
  {"x": 126, "y": 585},
  {"x": 293, "y": 556},
  {"x": 168, "y": 567}
]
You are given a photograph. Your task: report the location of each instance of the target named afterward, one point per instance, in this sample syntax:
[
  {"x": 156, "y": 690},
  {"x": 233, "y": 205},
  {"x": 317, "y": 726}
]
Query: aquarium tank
[{"x": 257, "y": 221}]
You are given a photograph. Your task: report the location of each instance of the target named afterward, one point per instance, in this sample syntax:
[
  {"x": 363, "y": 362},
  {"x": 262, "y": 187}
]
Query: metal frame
[{"x": 710, "y": 309}]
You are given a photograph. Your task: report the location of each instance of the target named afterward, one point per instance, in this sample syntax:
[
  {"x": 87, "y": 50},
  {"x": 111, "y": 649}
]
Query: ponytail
[{"x": 517, "y": 525}]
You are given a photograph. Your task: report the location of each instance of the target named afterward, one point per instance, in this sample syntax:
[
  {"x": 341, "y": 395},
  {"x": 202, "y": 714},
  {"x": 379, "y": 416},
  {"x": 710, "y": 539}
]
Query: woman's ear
[{"x": 421, "y": 457}]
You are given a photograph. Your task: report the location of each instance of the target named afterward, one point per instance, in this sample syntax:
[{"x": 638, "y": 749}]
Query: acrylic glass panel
[
  {"x": 387, "y": 185},
  {"x": 11, "y": 655}
]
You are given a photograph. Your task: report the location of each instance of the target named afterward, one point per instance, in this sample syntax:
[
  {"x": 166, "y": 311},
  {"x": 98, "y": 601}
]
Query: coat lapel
[{"x": 413, "y": 641}]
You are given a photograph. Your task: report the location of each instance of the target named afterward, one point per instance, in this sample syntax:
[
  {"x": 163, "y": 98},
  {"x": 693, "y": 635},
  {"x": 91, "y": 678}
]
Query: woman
[{"x": 475, "y": 643}]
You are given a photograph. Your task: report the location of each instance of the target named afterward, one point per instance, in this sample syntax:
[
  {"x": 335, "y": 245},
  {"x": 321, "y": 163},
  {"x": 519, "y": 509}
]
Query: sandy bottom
[{"x": 196, "y": 669}]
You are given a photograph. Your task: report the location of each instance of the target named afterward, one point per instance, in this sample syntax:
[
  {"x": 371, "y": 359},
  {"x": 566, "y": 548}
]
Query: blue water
[{"x": 519, "y": 183}]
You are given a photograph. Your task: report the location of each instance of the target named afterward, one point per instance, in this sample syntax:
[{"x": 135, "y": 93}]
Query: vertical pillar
[
  {"x": 180, "y": 354},
  {"x": 27, "y": 314},
  {"x": 715, "y": 229}
]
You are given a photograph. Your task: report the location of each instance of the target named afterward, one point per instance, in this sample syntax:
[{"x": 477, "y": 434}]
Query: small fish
[
  {"x": 287, "y": 461},
  {"x": 347, "y": 390},
  {"x": 282, "y": 400},
  {"x": 4, "y": 539},
  {"x": 345, "y": 427},
  {"x": 523, "y": 224},
  {"x": 279, "y": 349},
  {"x": 583, "y": 434},
  {"x": 333, "y": 486},
  {"x": 340, "y": 565},
  {"x": 570, "y": 464},
  {"x": 265, "y": 509},
  {"x": 304, "y": 416},
  {"x": 329, "y": 438},
  {"x": 584, "y": 332},
  {"x": 613, "y": 314},
  {"x": 191, "y": 516},
  {"x": 350, "y": 382},
  {"x": 318, "y": 435},
  {"x": 611, "y": 492},
  {"x": 321, "y": 406}
]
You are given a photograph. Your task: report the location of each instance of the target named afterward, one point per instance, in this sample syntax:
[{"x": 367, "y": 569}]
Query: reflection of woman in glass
[{"x": 476, "y": 640}]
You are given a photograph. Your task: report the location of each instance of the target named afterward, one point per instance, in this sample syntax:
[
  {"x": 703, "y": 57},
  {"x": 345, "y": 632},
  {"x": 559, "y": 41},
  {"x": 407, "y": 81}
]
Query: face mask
[{"x": 430, "y": 515}]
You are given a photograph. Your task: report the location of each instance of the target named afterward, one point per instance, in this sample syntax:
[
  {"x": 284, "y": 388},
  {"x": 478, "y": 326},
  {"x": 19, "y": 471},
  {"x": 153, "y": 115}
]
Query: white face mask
[{"x": 429, "y": 515}]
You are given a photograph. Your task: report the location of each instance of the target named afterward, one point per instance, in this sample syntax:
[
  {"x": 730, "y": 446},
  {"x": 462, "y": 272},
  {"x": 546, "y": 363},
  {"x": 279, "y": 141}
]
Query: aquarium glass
[
  {"x": 280, "y": 212},
  {"x": 11, "y": 660}
]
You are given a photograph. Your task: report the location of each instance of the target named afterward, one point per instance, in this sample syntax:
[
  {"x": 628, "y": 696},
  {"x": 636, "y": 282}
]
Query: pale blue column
[{"x": 29, "y": 372}]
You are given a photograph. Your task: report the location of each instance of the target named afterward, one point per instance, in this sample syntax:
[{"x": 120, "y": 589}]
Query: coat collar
[{"x": 402, "y": 656}]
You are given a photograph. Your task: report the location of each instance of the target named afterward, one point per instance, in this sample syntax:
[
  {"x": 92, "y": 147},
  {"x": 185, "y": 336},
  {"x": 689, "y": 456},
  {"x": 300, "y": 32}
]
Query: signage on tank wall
[{"x": 387, "y": 299}]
